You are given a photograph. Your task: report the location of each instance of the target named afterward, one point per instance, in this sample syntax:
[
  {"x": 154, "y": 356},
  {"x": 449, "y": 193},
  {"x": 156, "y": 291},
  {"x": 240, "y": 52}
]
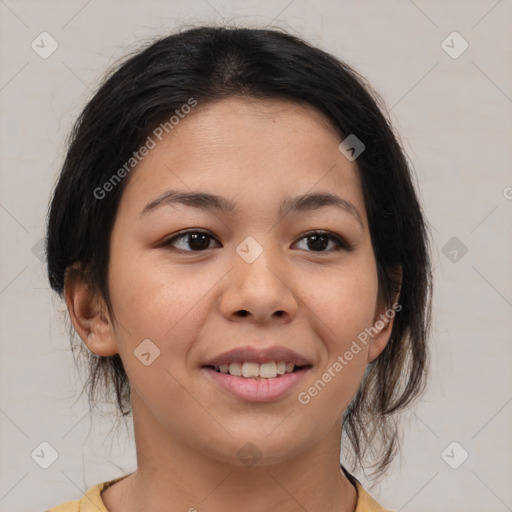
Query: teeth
[
  {"x": 251, "y": 370},
  {"x": 235, "y": 369},
  {"x": 268, "y": 370},
  {"x": 248, "y": 369}
]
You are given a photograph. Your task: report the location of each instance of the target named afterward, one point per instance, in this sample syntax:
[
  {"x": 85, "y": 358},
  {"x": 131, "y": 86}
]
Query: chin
[{"x": 256, "y": 449}]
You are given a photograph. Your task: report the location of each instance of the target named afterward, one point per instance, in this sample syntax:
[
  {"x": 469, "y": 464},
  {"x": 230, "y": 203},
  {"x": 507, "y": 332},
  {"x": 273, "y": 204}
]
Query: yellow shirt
[{"x": 91, "y": 501}]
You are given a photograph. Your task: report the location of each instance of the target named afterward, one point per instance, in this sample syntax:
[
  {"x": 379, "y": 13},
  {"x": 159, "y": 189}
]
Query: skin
[{"x": 189, "y": 304}]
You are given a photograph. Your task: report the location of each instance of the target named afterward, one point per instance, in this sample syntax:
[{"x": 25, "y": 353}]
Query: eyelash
[{"x": 342, "y": 244}]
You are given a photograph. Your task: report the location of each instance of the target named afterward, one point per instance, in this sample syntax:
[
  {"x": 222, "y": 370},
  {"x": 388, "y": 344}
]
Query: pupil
[
  {"x": 316, "y": 244},
  {"x": 199, "y": 239}
]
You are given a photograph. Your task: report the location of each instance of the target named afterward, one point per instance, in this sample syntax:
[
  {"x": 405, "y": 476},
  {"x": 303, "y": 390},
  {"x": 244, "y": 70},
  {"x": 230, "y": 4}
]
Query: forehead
[
  {"x": 239, "y": 128},
  {"x": 245, "y": 110},
  {"x": 251, "y": 149}
]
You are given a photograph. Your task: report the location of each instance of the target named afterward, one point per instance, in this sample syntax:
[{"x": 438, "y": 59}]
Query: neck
[{"x": 172, "y": 475}]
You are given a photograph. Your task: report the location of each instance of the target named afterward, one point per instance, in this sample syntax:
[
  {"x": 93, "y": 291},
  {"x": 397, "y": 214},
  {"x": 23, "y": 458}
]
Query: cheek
[
  {"x": 158, "y": 301},
  {"x": 343, "y": 310},
  {"x": 343, "y": 301}
]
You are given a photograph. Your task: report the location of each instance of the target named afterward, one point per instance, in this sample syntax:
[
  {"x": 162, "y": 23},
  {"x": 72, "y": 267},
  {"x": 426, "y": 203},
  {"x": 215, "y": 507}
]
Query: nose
[{"x": 261, "y": 290}]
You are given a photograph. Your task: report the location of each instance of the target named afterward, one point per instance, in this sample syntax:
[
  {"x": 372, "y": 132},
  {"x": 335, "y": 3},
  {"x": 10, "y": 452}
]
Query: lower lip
[{"x": 257, "y": 390}]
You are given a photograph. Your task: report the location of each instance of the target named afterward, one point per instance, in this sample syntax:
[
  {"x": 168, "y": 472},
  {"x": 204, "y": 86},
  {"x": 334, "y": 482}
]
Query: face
[{"x": 193, "y": 282}]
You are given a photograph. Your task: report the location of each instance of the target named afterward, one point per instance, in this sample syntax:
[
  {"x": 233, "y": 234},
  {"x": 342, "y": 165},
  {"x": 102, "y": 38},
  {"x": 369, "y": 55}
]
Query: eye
[
  {"x": 319, "y": 240},
  {"x": 199, "y": 241}
]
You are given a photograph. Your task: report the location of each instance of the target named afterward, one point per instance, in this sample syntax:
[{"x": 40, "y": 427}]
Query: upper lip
[{"x": 258, "y": 355}]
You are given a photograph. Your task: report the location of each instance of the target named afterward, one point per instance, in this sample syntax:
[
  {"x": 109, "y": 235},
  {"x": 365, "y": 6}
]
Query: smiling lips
[{"x": 258, "y": 375}]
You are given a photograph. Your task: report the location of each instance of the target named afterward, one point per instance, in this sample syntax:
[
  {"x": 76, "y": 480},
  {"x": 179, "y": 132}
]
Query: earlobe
[
  {"x": 382, "y": 329},
  {"x": 88, "y": 314},
  {"x": 383, "y": 322}
]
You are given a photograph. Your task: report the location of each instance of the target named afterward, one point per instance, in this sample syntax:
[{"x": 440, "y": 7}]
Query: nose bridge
[
  {"x": 257, "y": 260},
  {"x": 259, "y": 284}
]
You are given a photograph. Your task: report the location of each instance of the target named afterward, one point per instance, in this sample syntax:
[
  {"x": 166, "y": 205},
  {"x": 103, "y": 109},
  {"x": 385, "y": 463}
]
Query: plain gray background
[{"x": 454, "y": 114}]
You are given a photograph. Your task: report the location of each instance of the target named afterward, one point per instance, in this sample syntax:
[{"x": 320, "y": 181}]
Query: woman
[{"x": 244, "y": 257}]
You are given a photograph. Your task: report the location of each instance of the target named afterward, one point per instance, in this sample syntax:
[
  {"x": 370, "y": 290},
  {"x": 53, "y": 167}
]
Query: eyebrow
[{"x": 207, "y": 201}]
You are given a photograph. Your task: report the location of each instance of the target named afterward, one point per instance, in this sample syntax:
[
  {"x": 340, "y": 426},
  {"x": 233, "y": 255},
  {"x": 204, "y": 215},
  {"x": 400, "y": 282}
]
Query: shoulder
[
  {"x": 90, "y": 502},
  {"x": 365, "y": 502}
]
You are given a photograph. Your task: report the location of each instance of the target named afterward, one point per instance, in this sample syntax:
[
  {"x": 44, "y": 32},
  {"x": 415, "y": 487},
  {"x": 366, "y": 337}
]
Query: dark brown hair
[{"x": 210, "y": 63}]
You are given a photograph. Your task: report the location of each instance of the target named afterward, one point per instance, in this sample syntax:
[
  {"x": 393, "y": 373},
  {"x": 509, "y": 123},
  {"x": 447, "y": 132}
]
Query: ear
[
  {"x": 88, "y": 313},
  {"x": 383, "y": 321}
]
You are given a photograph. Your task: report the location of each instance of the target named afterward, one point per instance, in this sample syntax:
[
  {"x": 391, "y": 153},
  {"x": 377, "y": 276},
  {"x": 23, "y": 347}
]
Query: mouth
[
  {"x": 253, "y": 382},
  {"x": 253, "y": 370},
  {"x": 256, "y": 374}
]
